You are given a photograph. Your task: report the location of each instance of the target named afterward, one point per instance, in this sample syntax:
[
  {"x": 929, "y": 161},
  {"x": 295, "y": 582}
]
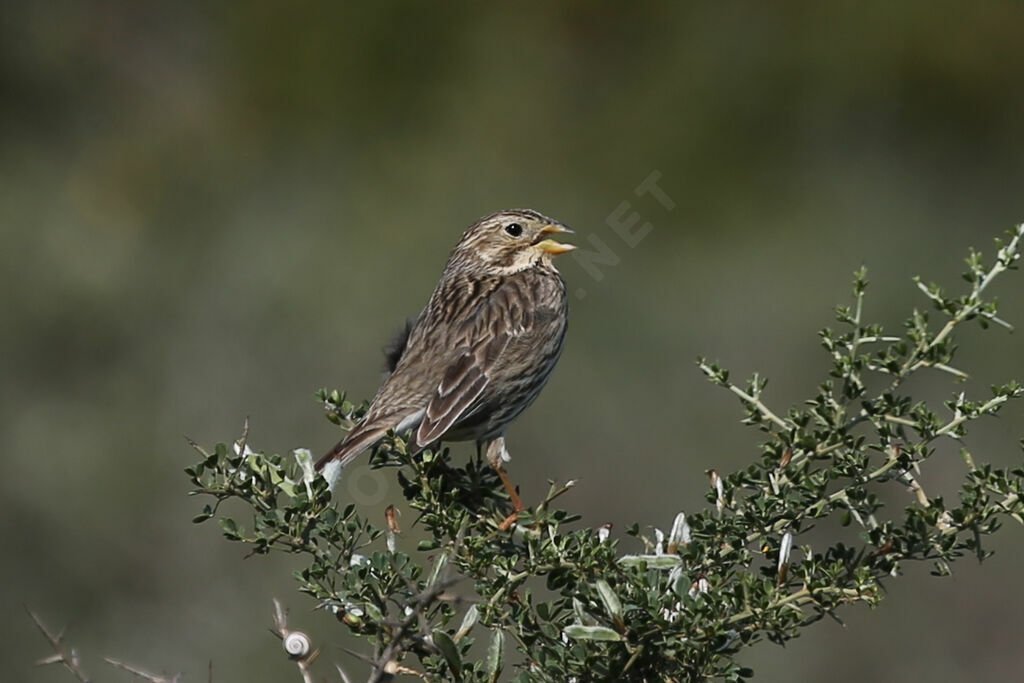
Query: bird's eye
[{"x": 514, "y": 229}]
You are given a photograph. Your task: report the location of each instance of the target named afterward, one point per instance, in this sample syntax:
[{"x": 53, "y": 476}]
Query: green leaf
[
  {"x": 468, "y": 621},
  {"x": 580, "y": 632},
  {"x": 229, "y": 526},
  {"x": 612, "y": 605},
  {"x": 495, "y": 654},
  {"x": 446, "y": 645},
  {"x": 437, "y": 570},
  {"x": 582, "y": 616},
  {"x": 651, "y": 561}
]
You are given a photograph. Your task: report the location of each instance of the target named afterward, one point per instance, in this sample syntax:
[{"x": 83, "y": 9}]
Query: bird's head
[{"x": 510, "y": 241}]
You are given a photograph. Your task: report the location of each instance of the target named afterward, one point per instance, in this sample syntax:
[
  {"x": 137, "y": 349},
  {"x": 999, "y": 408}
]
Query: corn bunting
[{"x": 481, "y": 350}]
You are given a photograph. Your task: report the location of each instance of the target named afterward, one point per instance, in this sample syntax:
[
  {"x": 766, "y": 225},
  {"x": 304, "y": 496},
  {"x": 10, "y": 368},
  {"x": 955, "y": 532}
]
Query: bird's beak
[{"x": 550, "y": 246}]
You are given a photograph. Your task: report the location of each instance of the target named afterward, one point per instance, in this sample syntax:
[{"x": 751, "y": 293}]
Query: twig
[
  {"x": 798, "y": 598},
  {"x": 139, "y": 673},
  {"x": 988, "y": 408},
  {"x": 385, "y": 666},
  {"x": 1004, "y": 259},
  {"x": 296, "y": 643},
  {"x": 761, "y": 407},
  {"x": 69, "y": 658},
  {"x": 341, "y": 672}
]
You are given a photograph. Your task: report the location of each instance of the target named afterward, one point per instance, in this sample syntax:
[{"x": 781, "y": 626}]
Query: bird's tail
[
  {"x": 364, "y": 436},
  {"x": 357, "y": 441}
]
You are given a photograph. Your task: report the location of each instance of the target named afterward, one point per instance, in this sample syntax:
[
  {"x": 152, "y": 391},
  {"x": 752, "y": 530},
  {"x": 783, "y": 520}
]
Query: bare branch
[
  {"x": 386, "y": 665},
  {"x": 139, "y": 673},
  {"x": 62, "y": 654},
  {"x": 296, "y": 643},
  {"x": 342, "y": 674}
]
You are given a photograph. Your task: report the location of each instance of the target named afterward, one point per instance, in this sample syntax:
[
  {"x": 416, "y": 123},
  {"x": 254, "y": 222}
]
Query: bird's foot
[
  {"x": 496, "y": 455},
  {"x": 513, "y": 494},
  {"x": 507, "y": 523}
]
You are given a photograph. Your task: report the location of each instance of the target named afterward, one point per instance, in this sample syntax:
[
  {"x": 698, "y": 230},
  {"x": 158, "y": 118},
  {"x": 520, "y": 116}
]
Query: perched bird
[{"x": 481, "y": 350}]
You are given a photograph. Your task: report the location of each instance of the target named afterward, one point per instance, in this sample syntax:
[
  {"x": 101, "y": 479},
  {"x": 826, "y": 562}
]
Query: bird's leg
[{"x": 496, "y": 454}]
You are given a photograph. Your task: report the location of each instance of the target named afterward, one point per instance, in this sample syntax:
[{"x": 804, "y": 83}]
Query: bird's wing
[
  {"x": 484, "y": 340},
  {"x": 462, "y": 383}
]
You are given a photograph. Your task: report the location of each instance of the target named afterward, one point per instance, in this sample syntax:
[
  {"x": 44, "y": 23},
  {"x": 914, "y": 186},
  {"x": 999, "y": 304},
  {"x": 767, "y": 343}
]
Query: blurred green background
[{"x": 209, "y": 211}]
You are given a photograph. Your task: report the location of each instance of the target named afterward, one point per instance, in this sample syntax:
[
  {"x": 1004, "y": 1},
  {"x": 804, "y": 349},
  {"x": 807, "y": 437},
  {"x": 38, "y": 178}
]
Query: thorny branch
[
  {"x": 730, "y": 575},
  {"x": 296, "y": 643},
  {"x": 62, "y": 654}
]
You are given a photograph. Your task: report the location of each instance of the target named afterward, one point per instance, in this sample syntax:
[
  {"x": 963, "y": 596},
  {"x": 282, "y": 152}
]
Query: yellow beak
[{"x": 551, "y": 246}]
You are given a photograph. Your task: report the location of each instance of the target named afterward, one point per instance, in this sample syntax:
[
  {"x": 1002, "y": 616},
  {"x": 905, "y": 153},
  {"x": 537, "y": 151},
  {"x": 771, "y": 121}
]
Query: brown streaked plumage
[{"x": 480, "y": 351}]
